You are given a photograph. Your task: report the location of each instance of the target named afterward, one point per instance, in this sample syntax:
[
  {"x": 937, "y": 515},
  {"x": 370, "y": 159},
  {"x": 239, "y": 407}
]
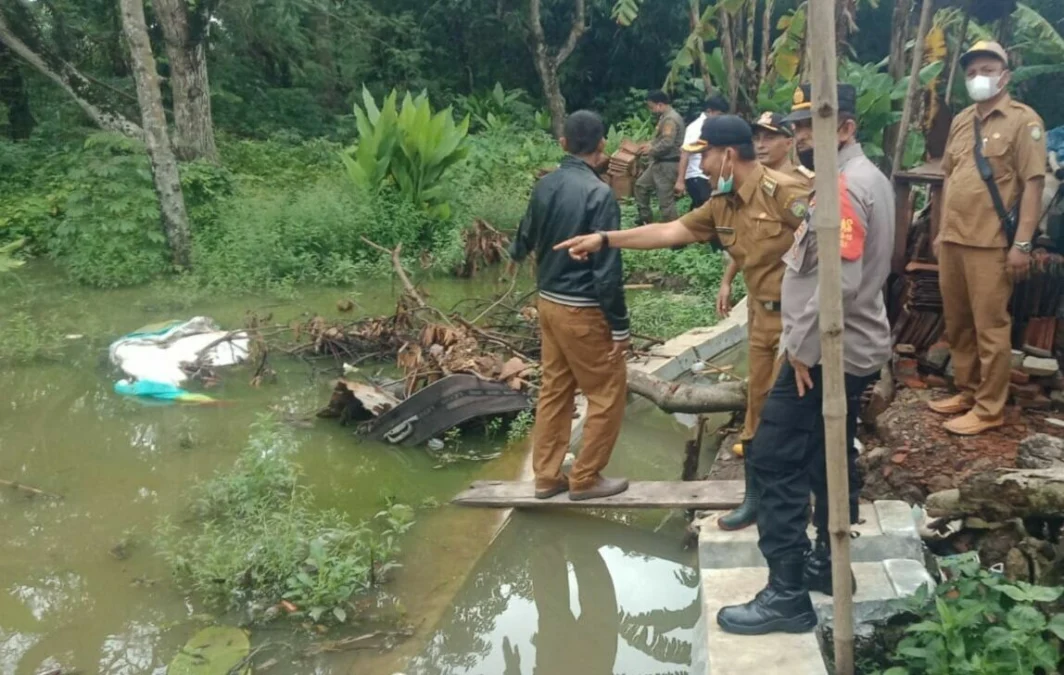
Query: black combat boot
[
  {"x": 817, "y": 572},
  {"x": 781, "y": 607},
  {"x": 746, "y": 514}
]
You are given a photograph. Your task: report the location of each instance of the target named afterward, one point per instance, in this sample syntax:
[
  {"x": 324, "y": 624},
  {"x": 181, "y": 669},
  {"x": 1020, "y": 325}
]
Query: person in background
[
  {"x": 659, "y": 178},
  {"x": 753, "y": 214},
  {"x": 690, "y": 178},
  {"x": 977, "y": 265},
  {"x": 583, "y": 318},
  {"x": 788, "y": 453}
]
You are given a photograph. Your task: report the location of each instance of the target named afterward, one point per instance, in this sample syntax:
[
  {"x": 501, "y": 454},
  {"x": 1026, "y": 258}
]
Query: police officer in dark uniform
[{"x": 787, "y": 453}]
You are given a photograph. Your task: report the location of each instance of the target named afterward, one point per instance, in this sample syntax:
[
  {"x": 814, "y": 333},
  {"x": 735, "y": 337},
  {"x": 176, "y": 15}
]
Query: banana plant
[{"x": 410, "y": 146}]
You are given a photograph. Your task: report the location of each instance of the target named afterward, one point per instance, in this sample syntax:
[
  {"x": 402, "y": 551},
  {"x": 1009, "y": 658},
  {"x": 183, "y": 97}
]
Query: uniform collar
[
  {"x": 576, "y": 163},
  {"x": 1002, "y": 107},
  {"x": 850, "y": 152},
  {"x": 745, "y": 191}
]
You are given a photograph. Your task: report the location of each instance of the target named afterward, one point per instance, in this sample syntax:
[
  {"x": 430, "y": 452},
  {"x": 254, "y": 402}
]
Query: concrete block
[
  {"x": 896, "y": 518},
  {"x": 907, "y": 576},
  {"x": 1040, "y": 367},
  {"x": 874, "y": 600},
  {"x": 776, "y": 654}
]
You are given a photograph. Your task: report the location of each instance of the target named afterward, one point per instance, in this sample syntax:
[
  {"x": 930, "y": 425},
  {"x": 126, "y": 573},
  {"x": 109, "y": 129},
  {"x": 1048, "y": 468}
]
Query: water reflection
[{"x": 570, "y": 595}]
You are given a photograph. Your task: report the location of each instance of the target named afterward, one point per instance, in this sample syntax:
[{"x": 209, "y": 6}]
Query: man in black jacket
[{"x": 582, "y": 316}]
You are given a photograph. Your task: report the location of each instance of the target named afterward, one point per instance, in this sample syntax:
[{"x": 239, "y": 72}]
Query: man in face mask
[
  {"x": 977, "y": 265},
  {"x": 753, "y": 213},
  {"x": 788, "y": 455}
]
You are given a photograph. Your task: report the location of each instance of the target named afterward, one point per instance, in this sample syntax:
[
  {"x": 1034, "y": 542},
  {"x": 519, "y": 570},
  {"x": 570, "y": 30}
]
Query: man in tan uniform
[
  {"x": 753, "y": 214},
  {"x": 976, "y": 263},
  {"x": 773, "y": 141},
  {"x": 659, "y": 177}
]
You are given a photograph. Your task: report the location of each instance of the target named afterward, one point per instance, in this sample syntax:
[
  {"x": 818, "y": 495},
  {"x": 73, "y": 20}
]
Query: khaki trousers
[
  {"x": 765, "y": 328},
  {"x": 576, "y": 347},
  {"x": 976, "y": 287}
]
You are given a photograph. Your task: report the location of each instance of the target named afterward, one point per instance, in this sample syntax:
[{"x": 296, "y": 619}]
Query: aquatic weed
[{"x": 258, "y": 542}]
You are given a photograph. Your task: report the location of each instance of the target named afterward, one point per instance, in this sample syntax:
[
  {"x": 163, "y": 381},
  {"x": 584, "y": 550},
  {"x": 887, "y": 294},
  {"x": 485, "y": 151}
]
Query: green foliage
[
  {"x": 497, "y": 110},
  {"x": 666, "y": 315},
  {"x": 111, "y": 232},
  {"x": 24, "y": 338},
  {"x": 979, "y": 623},
  {"x": 412, "y": 147},
  {"x": 258, "y": 539},
  {"x": 521, "y": 426}
]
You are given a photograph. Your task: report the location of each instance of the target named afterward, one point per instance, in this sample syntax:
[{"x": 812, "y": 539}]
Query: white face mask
[{"x": 983, "y": 87}]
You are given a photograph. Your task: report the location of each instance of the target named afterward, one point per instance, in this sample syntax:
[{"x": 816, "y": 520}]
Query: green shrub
[
  {"x": 110, "y": 234},
  {"x": 979, "y": 623},
  {"x": 666, "y": 315},
  {"x": 24, "y": 339},
  {"x": 258, "y": 539},
  {"x": 412, "y": 147}
]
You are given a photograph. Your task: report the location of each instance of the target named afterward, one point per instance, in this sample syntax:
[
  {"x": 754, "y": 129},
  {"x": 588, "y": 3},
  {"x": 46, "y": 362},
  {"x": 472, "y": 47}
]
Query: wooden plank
[{"x": 699, "y": 494}]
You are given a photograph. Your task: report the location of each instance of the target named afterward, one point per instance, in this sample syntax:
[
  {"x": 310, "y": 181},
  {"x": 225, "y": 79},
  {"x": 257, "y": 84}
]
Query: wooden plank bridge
[{"x": 700, "y": 494}]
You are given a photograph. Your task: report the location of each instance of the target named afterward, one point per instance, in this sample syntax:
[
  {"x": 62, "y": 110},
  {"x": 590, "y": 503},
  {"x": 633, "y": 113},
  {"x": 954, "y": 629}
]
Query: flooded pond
[{"x": 80, "y": 585}]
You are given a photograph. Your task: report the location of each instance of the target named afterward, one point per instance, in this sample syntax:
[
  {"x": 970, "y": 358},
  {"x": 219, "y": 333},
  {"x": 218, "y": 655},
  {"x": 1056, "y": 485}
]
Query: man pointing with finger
[{"x": 753, "y": 213}]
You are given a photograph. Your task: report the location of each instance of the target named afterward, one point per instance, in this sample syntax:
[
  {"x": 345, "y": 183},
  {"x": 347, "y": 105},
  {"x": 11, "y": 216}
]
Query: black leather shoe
[
  {"x": 746, "y": 514},
  {"x": 781, "y": 607},
  {"x": 817, "y": 572}
]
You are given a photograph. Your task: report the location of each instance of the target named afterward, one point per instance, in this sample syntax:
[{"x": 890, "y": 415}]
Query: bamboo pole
[
  {"x": 910, "y": 92},
  {"x": 826, "y": 218},
  {"x": 961, "y": 37}
]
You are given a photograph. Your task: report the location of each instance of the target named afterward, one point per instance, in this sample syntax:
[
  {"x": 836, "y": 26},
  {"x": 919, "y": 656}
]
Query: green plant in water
[
  {"x": 979, "y": 623},
  {"x": 258, "y": 539},
  {"x": 412, "y": 146},
  {"x": 521, "y": 426}
]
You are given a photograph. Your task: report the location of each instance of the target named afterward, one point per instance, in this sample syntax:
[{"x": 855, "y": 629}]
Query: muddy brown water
[{"x": 614, "y": 587}]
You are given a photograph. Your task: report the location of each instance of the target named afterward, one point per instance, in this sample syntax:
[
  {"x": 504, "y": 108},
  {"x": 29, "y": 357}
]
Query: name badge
[{"x": 793, "y": 257}]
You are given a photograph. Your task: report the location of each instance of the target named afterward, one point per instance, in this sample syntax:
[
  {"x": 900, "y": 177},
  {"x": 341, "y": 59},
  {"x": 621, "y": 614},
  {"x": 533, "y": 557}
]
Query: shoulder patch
[
  {"x": 799, "y": 208},
  {"x": 805, "y": 172},
  {"x": 1036, "y": 130},
  {"x": 769, "y": 185}
]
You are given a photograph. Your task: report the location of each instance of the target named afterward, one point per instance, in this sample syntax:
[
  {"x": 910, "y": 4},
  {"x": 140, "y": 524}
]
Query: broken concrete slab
[{"x": 1040, "y": 367}]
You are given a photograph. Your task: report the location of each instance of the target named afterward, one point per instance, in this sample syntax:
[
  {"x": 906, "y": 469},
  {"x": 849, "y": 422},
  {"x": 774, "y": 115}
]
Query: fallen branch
[
  {"x": 1002, "y": 495},
  {"x": 358, "y": 642},
  {"x": 398, "y": 265},
  {"x": 15, "y": 485},
  {"x": 677, "y": 397}
]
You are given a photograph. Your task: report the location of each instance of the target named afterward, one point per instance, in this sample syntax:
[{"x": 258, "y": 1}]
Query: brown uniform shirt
[
  {"x": 1014, "y": 143},
  {"x": 756, "y": 223},
  {"x": 798, "y": 172}
]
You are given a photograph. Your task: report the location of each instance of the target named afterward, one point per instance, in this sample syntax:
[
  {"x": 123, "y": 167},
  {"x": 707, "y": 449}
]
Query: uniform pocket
[
  {"x": 767, "y": 229},
  {"x": 998, "y": 152},
  {"x": 727, "y": 236}
]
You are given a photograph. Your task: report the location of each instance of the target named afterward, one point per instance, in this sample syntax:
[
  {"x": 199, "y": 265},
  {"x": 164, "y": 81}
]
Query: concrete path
[{"x": 888, "y": 564}]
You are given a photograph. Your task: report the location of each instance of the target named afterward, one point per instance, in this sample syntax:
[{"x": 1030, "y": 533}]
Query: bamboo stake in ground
[
  {"x": 910, "y": 92},
  {"x": 829, "y": 273},
  {"x": 28, "y": 489}
]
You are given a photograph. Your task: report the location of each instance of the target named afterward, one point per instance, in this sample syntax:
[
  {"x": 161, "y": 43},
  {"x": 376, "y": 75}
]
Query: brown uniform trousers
[
  {"x": 756, "y": 225},
  {"x": 576, "y": 345},
  {"x": 973, "y": 277}
]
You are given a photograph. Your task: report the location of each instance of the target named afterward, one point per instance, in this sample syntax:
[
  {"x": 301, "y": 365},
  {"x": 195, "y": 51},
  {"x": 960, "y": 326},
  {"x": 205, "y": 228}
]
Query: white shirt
[{"x": 691, "y": 135}]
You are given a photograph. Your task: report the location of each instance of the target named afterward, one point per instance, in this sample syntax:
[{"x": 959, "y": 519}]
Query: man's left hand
[
  {"x": 1019, "y": 263},
  {"x": 801, "y": 376}
]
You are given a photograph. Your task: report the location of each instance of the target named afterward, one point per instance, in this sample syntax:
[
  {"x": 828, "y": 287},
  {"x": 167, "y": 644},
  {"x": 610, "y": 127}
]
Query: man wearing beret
[
  {"x": 753, "y": 213},
  {"x": 788, "y": 455},
  {"x": 977, "y": 262}
]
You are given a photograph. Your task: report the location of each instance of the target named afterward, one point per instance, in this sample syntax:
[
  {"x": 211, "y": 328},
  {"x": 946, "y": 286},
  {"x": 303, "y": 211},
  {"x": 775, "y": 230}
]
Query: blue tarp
[{"x": 1055, "y": 143}]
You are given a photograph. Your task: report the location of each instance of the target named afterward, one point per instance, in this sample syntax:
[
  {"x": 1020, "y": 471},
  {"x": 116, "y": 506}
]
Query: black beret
[
  {"x": 723, "y": 131},
  {"x": 802, "y": 103}
]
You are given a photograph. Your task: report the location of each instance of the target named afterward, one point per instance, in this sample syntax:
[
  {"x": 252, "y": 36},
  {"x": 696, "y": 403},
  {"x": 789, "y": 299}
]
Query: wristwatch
[
  {"x": 606, "y": 240},
  {"x": 1022, "y": 246}
]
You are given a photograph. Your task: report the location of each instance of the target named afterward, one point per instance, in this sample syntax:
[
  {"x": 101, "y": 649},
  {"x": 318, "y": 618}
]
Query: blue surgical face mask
[{"x": 725, "y": 185}]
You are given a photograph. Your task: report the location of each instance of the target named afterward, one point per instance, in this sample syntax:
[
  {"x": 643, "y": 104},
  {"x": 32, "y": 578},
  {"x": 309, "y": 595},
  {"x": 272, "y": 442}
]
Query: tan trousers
[
  {"x": 765, "y": 328},
  {"x": 576, "y": 347},
  {"x": 976, "y": 287}
]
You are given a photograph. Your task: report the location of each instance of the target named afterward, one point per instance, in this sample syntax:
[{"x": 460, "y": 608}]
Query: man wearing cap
[
  {"x": 690, "y": 178},
  {"x": 659, "y": 178},
  {"x": 773, "y": 141},
  {"x": 787, "y": 454},
  {"x": 753, "y": 213},
  {"x": 977, "y": 265}
]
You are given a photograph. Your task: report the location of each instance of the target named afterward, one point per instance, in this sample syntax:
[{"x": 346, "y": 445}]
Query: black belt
[{"x": 771, "y": 305}]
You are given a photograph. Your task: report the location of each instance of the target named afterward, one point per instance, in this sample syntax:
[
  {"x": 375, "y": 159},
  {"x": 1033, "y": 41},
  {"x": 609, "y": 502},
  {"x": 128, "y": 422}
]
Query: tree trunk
[
  {"x": 49, "y": 64},
  {"x": 547, "y": 64},
  {"x": 676, "y": 397},
  {"x": 766, "y": 39},
  {"x": 749, "y": 57},
  {"x": 727, "y": 45},
  {"x": 914, "y": 81},
  {"x": 163, "y": 163},
  {"x": 14, "y": 95},
  {"x": 193, "y": 123},
  {"x": 899, "y": 35},
  {"x": 695, "y": 19},
  {"x": 1002, "y": 495}
]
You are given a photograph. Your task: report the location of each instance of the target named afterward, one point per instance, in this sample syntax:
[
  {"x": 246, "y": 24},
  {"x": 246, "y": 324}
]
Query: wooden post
[
  {"x": 910, "y": 92},
  {"x": 826, "y": 217},
  {"x": 961, "y": 37}
]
